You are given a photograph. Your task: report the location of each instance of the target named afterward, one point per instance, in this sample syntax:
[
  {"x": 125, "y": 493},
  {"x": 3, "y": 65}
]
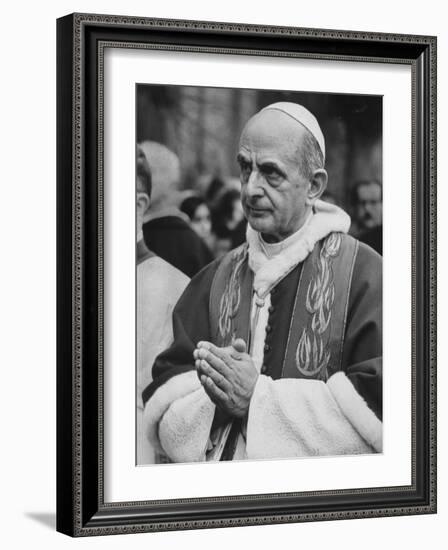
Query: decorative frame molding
[{"x": 81, "y": 40}]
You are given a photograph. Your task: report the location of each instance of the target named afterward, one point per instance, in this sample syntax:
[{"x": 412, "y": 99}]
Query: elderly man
[
  {"x": 159, "y": 286},
  {"x": 277, "y": 347}
]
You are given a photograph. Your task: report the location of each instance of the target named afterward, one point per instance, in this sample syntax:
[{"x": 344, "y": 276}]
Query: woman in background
[
  {"x": 229, "y": 223},
  {"x": 200, "y": 219}
]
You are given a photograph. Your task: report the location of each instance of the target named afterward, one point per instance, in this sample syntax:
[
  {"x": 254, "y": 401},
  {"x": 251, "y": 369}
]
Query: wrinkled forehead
[{"x": 272, "y": 132}]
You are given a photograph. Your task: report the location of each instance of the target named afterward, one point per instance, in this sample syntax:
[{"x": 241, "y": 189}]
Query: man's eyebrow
[
  {"x": 269, "y": 163},
  {"x": 241, "y": 156}
]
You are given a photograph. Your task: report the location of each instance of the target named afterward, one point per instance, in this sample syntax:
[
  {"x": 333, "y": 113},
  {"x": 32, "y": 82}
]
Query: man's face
[
  {"x": 369, "y": 208},
  {"x": 273, "y": 191}
]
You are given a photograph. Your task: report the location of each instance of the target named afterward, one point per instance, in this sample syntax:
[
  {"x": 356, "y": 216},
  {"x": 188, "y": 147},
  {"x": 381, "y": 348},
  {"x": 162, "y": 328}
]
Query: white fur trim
[
  {"x": 184, "y": 429},
  {"x": 173, "y": 390},
  {"x": 268, "y": 272},
  {"x": 356, "y": 410},
  {"x": 298, "y": 417}
]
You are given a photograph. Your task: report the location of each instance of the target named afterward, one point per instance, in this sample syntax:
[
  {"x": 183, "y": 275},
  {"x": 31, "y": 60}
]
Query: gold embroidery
[{"x": 312, "y": 354}]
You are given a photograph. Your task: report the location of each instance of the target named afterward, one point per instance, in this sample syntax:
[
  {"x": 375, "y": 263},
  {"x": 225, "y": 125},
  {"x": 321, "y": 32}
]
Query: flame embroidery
[
  {"x": 230, "y": 300},
  {"x": 312, "y": 354}
]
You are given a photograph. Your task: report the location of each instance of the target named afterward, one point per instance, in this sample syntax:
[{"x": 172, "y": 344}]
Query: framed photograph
[{"x": 246, "y": 274}]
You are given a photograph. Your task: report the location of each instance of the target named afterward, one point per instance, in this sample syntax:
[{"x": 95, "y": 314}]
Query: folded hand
[{"x": 228, "y": 375}]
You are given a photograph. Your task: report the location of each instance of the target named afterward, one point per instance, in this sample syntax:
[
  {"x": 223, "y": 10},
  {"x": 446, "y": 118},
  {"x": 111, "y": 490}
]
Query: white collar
[
  {"x": 273, "y": 249},
  {"x": 269, "y": 268}
]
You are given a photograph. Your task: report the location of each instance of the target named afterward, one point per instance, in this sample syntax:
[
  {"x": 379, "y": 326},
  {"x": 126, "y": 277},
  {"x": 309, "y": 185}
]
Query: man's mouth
[{"x": 256, "y": 209}]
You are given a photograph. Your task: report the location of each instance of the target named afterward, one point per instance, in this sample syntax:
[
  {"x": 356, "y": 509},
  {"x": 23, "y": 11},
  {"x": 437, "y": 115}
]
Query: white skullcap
[{"x": 302, "y": 115}]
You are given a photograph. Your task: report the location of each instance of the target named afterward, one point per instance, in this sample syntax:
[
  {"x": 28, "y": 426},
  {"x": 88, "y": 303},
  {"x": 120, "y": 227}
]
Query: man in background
[
  {"x": 159, "y": 286},
  {"x": 165, "y": 229},
  {"x": 367, "y": 199}
]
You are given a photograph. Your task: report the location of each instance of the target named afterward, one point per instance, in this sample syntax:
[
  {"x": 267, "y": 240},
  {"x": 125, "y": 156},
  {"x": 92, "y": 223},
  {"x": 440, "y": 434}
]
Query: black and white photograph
[{"x": 258, "y": 274}]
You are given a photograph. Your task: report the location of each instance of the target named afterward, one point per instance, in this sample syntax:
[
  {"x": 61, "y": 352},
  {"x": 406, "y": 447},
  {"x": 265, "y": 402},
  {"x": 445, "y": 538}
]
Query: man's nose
[{"x": 254, "y": 189}]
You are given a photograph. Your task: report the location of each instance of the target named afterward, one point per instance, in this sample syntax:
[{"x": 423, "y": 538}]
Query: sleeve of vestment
[
  {"x": 363, "y": 346},
  {"x": 301, "y": 417},
  {"x": 178, "y": 413}
]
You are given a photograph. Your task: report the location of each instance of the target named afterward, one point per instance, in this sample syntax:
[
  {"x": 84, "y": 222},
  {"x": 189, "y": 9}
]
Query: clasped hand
[{"x": 228, "y": 375}]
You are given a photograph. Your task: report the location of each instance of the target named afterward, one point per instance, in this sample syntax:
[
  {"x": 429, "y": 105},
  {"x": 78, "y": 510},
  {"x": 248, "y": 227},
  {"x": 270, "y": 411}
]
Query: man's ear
[
  {"x": 143, "y": 202},
  {"x": 318, "y": 184}
]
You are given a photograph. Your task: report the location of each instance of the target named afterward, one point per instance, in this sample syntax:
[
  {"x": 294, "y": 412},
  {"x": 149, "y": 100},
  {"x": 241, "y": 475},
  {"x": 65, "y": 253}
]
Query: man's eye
[{"x": 271, "y": 173}]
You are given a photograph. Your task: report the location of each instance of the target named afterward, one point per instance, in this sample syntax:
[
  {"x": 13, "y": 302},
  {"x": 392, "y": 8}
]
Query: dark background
[{"x": 203, "y": 125}]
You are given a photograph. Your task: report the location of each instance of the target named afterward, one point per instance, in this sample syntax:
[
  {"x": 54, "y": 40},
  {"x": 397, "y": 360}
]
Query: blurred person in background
[
  {"x": 229, "y": 222},
  {"x": 165, "y": 228},
  {"x": 200, "y": 218},
  {"x": 215, "y": 189},
  {"x": 159, "y": 286},
  {"x": 367, "y": 201}
]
